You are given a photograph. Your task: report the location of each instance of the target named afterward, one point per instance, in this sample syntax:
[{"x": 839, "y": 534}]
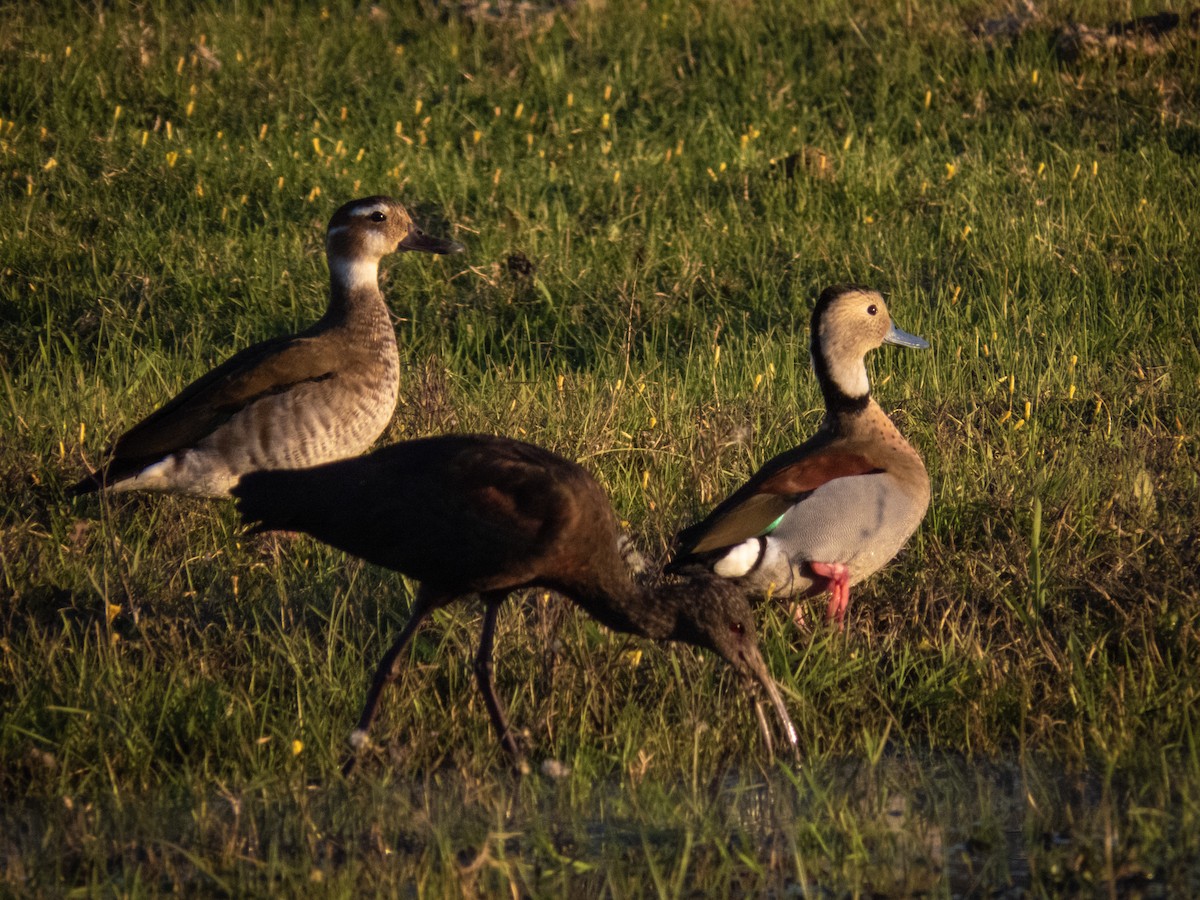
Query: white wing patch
[{"x": 740, "y": 559}]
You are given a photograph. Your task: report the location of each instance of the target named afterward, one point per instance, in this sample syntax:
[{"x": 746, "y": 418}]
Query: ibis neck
[{"x": 627, "y": 606}]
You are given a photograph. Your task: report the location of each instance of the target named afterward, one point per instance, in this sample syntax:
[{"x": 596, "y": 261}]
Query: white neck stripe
[
  {"x": 355, "y": 273},
  {"x": 850, "y": 376}
]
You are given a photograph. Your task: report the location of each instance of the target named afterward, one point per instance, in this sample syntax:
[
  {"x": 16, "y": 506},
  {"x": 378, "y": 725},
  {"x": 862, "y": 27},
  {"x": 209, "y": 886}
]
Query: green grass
[{"x": 1014, "y": 701}]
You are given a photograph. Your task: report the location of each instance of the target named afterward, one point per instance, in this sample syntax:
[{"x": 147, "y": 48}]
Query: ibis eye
[
  {"x": 378, "y": 217},
  {"x": 872, "y": 309}
]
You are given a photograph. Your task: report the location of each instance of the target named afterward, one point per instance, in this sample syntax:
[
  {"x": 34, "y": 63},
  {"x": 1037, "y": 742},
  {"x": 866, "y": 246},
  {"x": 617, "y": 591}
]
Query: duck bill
[
  {"x": 757, "y": 670},
  {"x": 904, "y": 339},
  {"x": 427, "y": 243}
]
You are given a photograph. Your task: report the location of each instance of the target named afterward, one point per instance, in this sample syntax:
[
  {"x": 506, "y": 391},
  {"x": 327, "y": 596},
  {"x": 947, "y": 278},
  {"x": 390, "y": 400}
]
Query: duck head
[
  {"x": 848, "y": 322},
  {"x": 364, "y": 231}
]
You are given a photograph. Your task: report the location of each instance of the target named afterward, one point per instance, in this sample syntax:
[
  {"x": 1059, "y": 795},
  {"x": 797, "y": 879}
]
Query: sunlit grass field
[{"x": 652, "y": 196}]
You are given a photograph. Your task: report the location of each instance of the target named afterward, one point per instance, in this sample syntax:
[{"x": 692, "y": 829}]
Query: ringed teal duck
[
  {"x": 479, "y": 516},
  {"x": 323, "y": 394},
  {"x": 836, "y": 509}
]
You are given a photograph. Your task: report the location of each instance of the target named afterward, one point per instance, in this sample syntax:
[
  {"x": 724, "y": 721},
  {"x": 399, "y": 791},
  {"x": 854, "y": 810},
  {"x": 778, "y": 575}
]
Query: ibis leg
[
  {"x": 385, "y": 674},
  {"x": 487, "y": 685}
]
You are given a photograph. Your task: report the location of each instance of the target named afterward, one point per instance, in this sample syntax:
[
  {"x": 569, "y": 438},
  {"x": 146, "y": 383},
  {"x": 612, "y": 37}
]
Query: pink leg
[
  {"x": 838, "y": 576},
  {"x": 796, "y": 611}
]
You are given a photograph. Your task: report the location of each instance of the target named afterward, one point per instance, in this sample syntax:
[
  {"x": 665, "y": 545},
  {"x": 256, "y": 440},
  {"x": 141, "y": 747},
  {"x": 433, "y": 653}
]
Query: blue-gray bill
[{"x": 904, "y": 339}]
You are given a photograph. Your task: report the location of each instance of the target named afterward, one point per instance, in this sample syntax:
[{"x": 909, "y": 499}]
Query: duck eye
[
  {"x": 872, "y": 309},
  {"x": 377, "y": 216},
  {"x": 737, "y": 628}
]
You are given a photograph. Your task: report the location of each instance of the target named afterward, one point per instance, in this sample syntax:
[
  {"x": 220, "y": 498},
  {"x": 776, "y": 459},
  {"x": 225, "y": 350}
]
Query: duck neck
[
  {"x": 844, "y": 383},
  {"x": 354, "y": 296}
]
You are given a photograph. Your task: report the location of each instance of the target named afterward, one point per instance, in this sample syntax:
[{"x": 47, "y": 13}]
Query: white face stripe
[
  {"x": 359, "y": 212},
  {"x": 380, "y": 206}
]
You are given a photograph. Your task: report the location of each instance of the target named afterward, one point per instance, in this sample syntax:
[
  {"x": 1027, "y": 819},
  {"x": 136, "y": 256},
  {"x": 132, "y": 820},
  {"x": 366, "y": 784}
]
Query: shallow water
[{"x": 926, "y": 824}]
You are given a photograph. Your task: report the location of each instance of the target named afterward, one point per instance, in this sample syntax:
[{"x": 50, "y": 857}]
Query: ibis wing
[{"x": 456, "y": 507}]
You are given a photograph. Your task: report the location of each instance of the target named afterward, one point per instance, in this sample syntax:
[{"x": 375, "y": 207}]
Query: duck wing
[
  {"x": 255, "y": 373},
  {"x": 757, "y": 506}
]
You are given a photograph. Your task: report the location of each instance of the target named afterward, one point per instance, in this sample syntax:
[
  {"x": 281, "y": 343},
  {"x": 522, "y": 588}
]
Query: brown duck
[{"x": 323, "y": 394}]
